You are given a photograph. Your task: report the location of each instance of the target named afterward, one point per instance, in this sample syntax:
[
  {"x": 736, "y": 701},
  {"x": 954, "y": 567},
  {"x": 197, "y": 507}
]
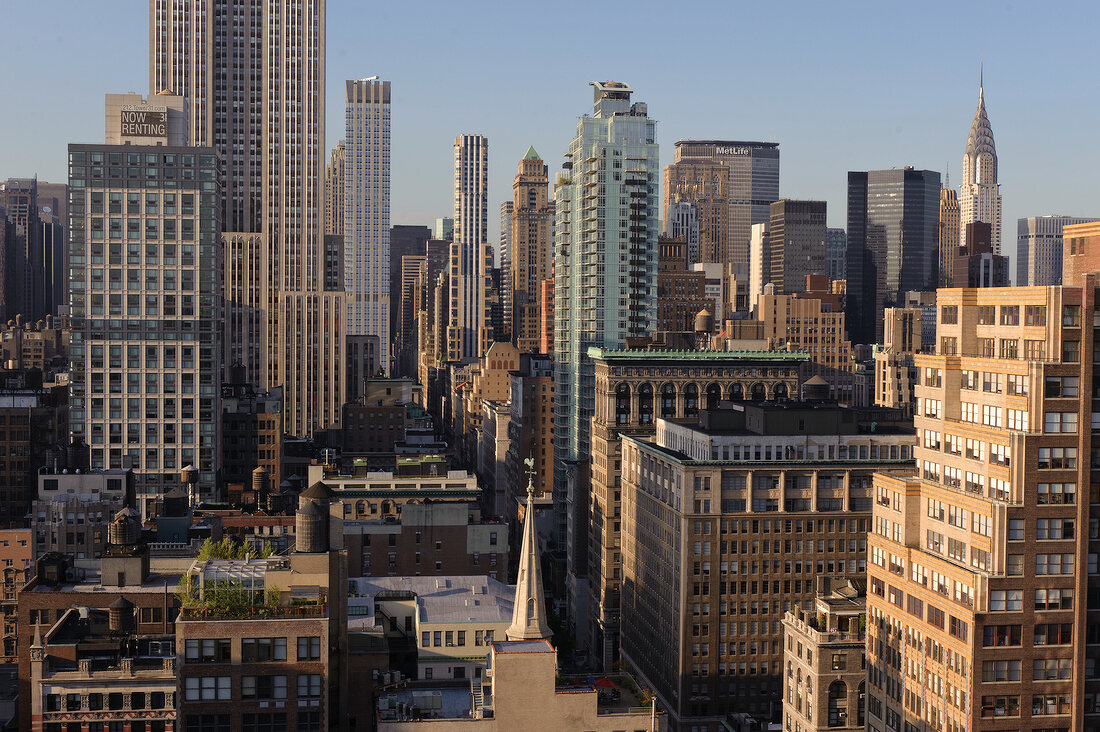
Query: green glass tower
[{"x": 605, "y": 276}]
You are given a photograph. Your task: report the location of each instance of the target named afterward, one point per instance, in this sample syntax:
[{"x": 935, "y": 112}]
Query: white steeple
[
  {"x": 529, "y": 613},
  {"x": 980, "y": 195}
]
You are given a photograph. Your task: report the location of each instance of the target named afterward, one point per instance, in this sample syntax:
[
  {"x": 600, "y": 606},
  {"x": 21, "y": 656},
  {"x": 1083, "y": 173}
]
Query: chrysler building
[{"x": 980, "y": 196}]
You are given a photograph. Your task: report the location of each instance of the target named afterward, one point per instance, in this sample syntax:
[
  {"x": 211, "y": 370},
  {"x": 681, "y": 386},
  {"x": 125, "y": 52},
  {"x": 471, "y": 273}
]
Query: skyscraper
[
  {"x": 893, "y": 228},
  {"x": 951, "y": 235},
  {"x": 367, "y": 212},
  {"x": 683, "y": 223},
  {"x": 836, "y": 254},
  {"x": 531, "y": 253},
  {"x": 732, "y": 185},
  {"x": 334, "y": 190},
  {"x": 145, "y": 369},
  {"x": 504, "y": 262},
  {"x": 605, "y": 290},
  {"x": 796, "y": 241},
  {"x": 980, "y": 194},
  {"x": 981, "y": 580},
  {"x": 471, "y": 253},
  {"x": 1039, "y": 249},
  {"x": 253, "y": 73}
]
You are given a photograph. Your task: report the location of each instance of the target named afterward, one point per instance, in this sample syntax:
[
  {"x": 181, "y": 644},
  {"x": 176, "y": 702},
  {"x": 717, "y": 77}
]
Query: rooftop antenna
[{"x": 947, "y": 175}]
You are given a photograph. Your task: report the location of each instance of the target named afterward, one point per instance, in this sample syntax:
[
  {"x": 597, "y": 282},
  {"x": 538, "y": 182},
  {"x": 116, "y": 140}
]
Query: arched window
[
  {"x": 714, "y": 395},
  {"x": 780, "y": 391},
  {"x": 757, "y": 392},
  {"x": 622, "y": 404},
  {"x": 691, "y": 400},
  {"x": 645, "y": 403},
  {"x": 838, "y": 704},
  {"x": 668, "y": 401},
  {"x": 737, "y": 393}
]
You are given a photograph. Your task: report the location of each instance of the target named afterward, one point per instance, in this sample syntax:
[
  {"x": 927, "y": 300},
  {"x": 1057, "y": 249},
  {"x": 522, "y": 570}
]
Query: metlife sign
[
  {"x": 144, "y": 121},
  {"x": 726, "y": 150}
]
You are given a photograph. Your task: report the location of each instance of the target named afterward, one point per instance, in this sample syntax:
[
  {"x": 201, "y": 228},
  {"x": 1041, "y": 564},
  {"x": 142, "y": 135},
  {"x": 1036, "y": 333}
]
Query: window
[
  {"x": 1057, "y": 422},
  {"x": 263, "y": 687},
  {"x": 958, "y": 628},
  {"x": 309, "y": 648},
  {"x": 840, "y": 661},
  {"x": 1071, "y": 351},
  {"x": 1010, "y": 315},
  {"x": 1057, "y": 458},
  {"x": 1054, "y": 599},
  {"x": 1053, "y": 564},
  {"x": 987, "y": 347},
  {"x": 1035, "y": 315},
  {"x": 309, "y": 685},
  {"x": 993, "y": 671},
  {"x": 987, "y": 315},
  {"x": 1055, "y": 494},
  {"x": 949, "y": 314},
  {"x": 207, "y": 650},
  {"x": 1050, "y": 704},
  {"x": 1010, "y": 348},
  {"x": 1054, "y": 634},
  {"x": 263, "y": 649},
  {"x": 1071, "y": 316},
  {"x": 1000, "y": 706},
  {"x": 207, "y": 688},
  {"x": 1054, "y": 528},
  {"x": 1017, "y": 385},
  {"x": 994, "y": 636},
  {"x": 1049, "y": 669},
  {"x": 1005, "y": 600}
]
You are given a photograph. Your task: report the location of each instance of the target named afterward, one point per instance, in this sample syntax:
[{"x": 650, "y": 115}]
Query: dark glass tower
[{"x": 893, "y": 229}]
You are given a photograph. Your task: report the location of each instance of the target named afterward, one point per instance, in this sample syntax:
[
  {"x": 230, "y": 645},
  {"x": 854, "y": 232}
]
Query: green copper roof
[
  {"x": 531, "y": 154},
  {"x": 605, "y": 354}
]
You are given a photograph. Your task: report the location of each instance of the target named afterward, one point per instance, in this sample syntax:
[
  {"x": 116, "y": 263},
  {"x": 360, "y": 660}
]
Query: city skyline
[{"x": 859, "y": 130}]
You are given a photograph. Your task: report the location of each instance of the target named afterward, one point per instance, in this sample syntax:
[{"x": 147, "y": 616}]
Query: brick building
[{"x": 17, "y": 558}]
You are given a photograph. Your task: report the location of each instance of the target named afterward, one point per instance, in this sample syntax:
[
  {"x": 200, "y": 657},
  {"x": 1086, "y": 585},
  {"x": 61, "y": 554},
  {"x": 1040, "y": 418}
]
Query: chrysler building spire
[
  {"x": 980, "y": 197},
  {"x": 529, "y": 613}
]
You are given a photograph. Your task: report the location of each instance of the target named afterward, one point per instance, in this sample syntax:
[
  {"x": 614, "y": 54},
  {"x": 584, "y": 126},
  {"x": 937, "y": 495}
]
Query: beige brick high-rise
[
  {"x": 531, "y": 248},
  {"x": 253, "y": 72},
  {"x": 982, "y": 576}
]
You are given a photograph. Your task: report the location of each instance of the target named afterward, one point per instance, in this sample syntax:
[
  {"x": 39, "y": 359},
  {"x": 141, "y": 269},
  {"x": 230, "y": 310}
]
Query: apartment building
[{"x": 982, "y": 577}]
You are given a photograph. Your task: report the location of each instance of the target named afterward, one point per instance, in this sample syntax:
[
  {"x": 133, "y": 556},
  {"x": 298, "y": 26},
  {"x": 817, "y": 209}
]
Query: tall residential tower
[
  {"x": 367, "y": 213},
  {"x": 471, "y": 253},
  {"x": 605, "y": 290}
]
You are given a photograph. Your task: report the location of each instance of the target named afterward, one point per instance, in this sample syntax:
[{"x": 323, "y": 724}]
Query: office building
[
  {"x": 683, "y": 224},
  {"x": 367, "y": 213},
  {"x": 759, "y": 262},
  {"x": 531, "y": 252},
  {"x": 826, "y": 671},
  {"x": 1039, "y": 249},
  {"x": 796, "y": 243},
  {"x": 334, "y": 190},
  {"x": 975, "y": 263},
  {"x": 1081, "y": 253},
  {"x": 31, "y": 254},
  {"x": 405, "y": 240},
  {"x": 605, "y": 279},
  {"x": 836, "y": 254},
  {"x": 632, "y": 388},
  {"x": 252, "y": 441},
  {"x": 893, "y": 229},
  {"x": 504, "y": 261},
  {"x": 146, "y": 369},
  {"x": 531, "y": 427},
  {"x": 729, "y": 524},
  {"x": 471, "y": 253},
  {"x": 980, "y": 193},
  {"x": 980, "y": 575},
  {"x": 951, "y": 236},
  {"x": 812, "y": 323},
  {"x": 895, "y": 372},
  {"x": 732, "y": 184},
  {"x": 443, "y": 228},
  {"x": 43, "y": 345},
  {"x": 230, "y": 60}
]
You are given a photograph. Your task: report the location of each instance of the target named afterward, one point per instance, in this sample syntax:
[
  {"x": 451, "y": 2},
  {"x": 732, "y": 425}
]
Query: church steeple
[{"x": 529, "y": 612}]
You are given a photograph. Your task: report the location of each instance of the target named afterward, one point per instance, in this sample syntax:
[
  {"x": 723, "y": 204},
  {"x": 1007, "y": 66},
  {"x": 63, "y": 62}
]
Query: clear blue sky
[{"x": 840, "y": 85}]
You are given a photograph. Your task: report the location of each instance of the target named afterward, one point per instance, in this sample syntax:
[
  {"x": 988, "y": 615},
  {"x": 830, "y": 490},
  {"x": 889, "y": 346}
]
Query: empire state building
[{"x": 980, "y": 196}]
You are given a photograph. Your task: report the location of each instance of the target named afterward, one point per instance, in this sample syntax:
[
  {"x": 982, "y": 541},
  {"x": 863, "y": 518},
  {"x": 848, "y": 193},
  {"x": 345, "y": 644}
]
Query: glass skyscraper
[
  {"x": 893, "y": 229},
  {"x": 606, "y": 203}
]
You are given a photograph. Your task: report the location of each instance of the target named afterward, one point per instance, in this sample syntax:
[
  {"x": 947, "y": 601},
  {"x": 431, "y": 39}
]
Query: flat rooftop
[
  {"x": 432, "y": 702},
  {"x": 532, "y": 646},
  {"x": 457, "y": 599}
]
